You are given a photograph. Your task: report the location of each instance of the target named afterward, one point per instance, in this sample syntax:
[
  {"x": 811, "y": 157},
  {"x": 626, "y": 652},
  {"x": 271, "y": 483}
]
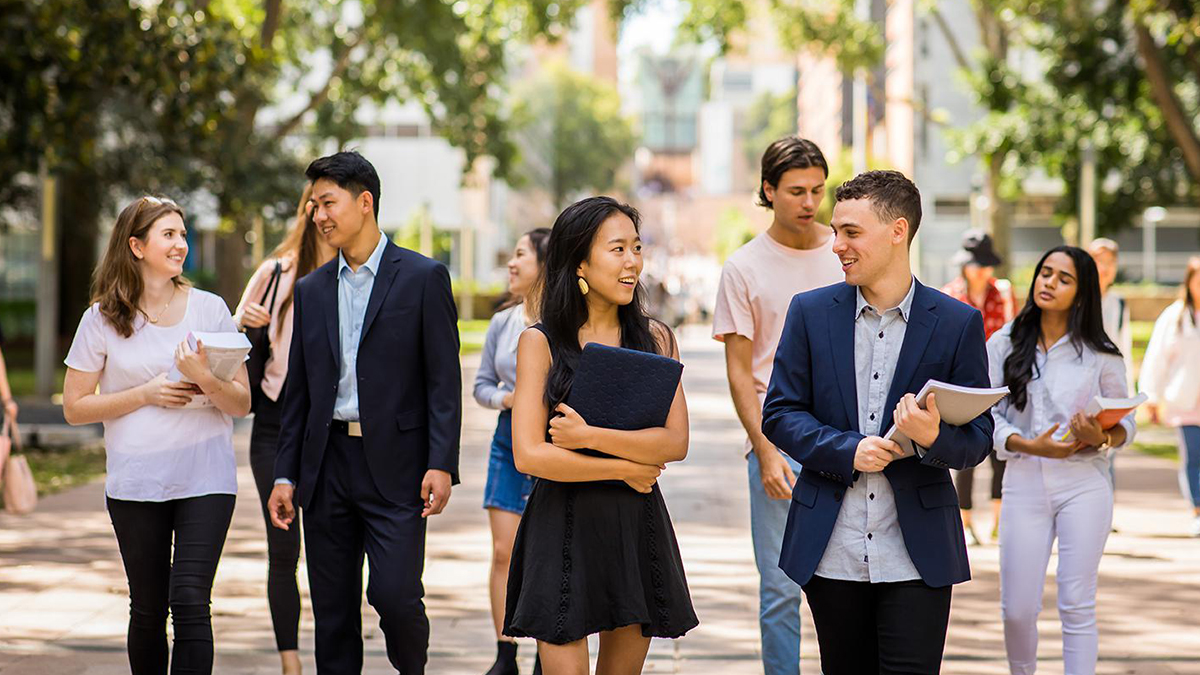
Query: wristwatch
[{"x": 1107, "y": 444}]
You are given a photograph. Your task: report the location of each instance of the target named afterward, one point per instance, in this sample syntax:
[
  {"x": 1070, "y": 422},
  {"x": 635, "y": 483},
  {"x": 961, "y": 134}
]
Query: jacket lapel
[
  {"x": 389, "y": 264},
  {"x": 921, "y": 322},
  {"x": 329, "y": 301},
  {"x": 841, "y": 343}
]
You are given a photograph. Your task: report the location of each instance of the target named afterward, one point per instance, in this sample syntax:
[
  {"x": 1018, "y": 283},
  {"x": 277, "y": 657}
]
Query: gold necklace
[{"x": 174, "y": 290}]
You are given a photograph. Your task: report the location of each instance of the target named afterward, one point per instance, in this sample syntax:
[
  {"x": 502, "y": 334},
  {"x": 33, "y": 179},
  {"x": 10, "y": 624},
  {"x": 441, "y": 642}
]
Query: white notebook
[
  {"x": 957, "y": 405},
  {"x": 226, "y": 353}
]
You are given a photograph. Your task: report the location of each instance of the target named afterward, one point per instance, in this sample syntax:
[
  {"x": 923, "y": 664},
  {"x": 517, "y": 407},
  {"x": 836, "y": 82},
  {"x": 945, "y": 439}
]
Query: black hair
[
  {"x": 1085, "y": 324},
  {"x": 785, "y": 154},
  {"x": 564, "y": 309},
  {"x": 891, "y": 193},
  {"x": 351, "y": 171}
]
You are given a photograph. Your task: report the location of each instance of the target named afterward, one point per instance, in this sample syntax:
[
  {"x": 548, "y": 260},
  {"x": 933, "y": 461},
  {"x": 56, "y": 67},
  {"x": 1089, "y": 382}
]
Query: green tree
[
  {"x": 770, "y": 117},
  {"x": 117, "y": 97},
  {"x": 1115, "y": 76},
  {"x": 574, "y": 135}
]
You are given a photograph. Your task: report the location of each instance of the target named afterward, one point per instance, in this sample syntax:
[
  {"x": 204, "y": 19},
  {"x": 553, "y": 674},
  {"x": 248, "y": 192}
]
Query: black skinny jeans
[
  {"x": 283, "y": 546},
  {"x": 157, "y": 583}
]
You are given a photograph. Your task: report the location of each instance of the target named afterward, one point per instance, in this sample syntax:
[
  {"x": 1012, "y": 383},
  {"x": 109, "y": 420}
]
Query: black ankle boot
[{"x": 506, "y": 659}]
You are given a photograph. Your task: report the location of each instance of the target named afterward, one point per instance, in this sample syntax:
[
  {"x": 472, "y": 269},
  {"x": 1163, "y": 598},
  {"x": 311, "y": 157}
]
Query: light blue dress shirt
[
  {"x": 866, "y": 543},
  {"x": 354, "y": 292}
]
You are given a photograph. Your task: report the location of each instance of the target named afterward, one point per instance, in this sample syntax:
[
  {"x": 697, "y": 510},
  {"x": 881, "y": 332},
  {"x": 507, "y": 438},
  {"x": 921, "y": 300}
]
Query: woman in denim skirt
[{"x": 507, "y": 489}]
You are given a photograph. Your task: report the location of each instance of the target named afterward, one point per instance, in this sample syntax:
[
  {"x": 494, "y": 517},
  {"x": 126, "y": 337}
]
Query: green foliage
[
  {"x": 770, "y": 117},
  {"x": 1090, "y": 87},
  {"x": 826, "y": 26},
  {"x": 575, "y": 136},
  {"x": 732, "y": 232}
]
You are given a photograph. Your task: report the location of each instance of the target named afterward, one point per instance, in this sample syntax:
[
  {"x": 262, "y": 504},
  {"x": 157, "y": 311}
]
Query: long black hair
[
  {"x": 564, "y": 310},
  {"x": 1085, "y": 324}
]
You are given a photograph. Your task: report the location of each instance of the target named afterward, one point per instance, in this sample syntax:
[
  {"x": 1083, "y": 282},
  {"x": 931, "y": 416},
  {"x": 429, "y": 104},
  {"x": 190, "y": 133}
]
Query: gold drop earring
[{"x": 583, "y": 286}]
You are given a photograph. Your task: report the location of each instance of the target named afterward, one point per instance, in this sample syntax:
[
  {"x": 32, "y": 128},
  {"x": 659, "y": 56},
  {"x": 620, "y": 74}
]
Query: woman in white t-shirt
[
  {"x": 171, "y": 470},
  {"x": 1171, "y": 378}
]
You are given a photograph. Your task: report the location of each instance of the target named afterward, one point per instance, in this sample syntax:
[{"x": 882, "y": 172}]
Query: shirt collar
[
  {"x": 372, "y": 262},
  {"x": 905, "y": 305}
]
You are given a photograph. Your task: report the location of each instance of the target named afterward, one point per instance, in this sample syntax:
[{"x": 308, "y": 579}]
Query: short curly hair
[
  {"x": 785, "y": 154},
  {"x": 891, "y": 193}
]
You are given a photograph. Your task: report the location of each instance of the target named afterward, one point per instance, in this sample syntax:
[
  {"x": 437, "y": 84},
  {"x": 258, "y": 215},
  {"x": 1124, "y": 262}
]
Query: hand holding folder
[{"x": 617, "y": 388}]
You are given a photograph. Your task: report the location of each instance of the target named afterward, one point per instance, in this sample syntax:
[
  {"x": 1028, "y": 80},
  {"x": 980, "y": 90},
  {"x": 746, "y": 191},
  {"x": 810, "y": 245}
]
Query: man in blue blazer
[
  {"x": 874, "y": 538},
  {"x": 371, "y": 418}
]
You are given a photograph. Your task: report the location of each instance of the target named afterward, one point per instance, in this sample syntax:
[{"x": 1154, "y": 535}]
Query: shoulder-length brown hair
[
  {"x": 300, "y": 244},
  {"x": 117, "y": 280}
]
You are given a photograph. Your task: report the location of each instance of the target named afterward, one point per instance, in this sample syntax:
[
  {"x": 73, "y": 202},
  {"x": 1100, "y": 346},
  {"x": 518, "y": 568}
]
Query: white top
[
  {"x": 156, "y": 454},
  {"x": 1115, "y": 313},
  {"x": 497, "y": 374},
  {"x": 1171, "y": 369},
  {"x": 1065, "y": 381}
]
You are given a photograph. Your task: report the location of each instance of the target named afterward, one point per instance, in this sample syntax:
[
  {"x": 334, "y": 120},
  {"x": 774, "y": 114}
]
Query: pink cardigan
[{"x": 281, "y": 327}]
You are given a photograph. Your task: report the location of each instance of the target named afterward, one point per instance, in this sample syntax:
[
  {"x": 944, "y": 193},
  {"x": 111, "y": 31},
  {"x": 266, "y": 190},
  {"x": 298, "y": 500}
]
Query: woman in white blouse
[
  {"x": 1171, "y": 379},
  {"x": 507, "y": 489},
  {"x": 1055, "y": 358},
  {"x": 171, "y": 471}
]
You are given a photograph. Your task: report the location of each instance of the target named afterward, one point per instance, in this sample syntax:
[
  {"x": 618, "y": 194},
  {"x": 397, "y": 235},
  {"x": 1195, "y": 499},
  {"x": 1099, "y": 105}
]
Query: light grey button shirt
[
  {"x": 867, "y": 544},
  {"x": 354, "y": 291},
  {"x": 497, "y": 374}
]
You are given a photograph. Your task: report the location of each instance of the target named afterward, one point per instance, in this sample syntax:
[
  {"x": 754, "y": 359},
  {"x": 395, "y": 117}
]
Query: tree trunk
[
  {"x": 997, "y": 215},
  {"x": 1161, "y": 88},
  {"x": 79, "y": 201},
  {"x": 233, "y": 266}
]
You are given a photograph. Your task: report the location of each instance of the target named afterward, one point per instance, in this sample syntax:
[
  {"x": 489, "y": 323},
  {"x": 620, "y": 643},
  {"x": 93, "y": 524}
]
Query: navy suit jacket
[
  {"x": 409, "y": 379},
  {"x": 811, "y": 413}
]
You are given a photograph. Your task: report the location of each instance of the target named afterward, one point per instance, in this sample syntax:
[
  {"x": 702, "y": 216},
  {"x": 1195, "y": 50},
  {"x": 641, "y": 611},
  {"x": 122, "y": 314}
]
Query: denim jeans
[
  {"x": 778, "y": 595},
  {"x": 1189, "y": 467}
]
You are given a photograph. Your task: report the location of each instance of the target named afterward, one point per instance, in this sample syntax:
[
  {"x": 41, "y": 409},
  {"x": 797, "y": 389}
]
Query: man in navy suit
[
  {"x": 372, "y": 408},
  {"x": 874, "y": 538}
]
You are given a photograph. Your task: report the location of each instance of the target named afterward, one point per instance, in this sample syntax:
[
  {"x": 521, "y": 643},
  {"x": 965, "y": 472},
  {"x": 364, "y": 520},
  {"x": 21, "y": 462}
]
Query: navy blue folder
[{"x": 625, "y": 389}]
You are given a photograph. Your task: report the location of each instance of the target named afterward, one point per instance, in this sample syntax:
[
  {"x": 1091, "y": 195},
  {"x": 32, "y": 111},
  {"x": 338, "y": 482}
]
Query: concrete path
[{"x": 63, "y": 602}]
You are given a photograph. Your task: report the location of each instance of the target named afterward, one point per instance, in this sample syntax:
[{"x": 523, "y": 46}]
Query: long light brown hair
[
  {"x": 117, "y": 281},
  {"x": 1185, "y": 293},
  {"x": 301, "y": 245}
]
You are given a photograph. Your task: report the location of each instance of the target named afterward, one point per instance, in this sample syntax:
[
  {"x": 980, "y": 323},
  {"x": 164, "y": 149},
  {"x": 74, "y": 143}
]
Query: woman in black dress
[{"x": 595, "y": 551}]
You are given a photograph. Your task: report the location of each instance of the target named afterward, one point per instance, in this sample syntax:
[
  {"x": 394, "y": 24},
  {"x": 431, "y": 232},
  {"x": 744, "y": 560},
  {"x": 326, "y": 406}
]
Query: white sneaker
[{"x": 1194, "y": 530}]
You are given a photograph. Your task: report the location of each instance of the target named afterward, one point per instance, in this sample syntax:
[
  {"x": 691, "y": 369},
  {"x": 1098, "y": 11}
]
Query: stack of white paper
[
  {"x": 226, "y": 353},
  {"x": 957, "y": 405}
]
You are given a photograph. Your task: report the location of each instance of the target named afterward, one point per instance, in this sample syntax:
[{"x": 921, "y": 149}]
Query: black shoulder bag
[{"x": 260, "y": 339}]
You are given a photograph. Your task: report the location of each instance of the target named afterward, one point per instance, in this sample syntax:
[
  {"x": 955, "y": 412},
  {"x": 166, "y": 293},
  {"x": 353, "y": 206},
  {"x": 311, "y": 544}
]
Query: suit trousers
[
  {"x": 346, "y": 518},
  {"x": 1045, "y": 499},
  {"x": 887, "y": 628}
]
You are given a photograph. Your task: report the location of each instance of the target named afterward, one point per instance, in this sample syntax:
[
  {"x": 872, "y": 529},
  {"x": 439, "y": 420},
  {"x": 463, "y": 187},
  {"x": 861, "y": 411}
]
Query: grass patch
[
  {"x": 1165, "y": 450},
  {"x": 62, "y": 468},
  {"x": 23, "y": 382},
  {"x": 471, "y": 335}
]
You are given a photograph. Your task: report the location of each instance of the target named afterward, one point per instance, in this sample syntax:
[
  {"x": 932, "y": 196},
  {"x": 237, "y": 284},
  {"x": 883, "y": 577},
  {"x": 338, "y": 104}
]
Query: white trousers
[{"x": 1044, "y": 499}]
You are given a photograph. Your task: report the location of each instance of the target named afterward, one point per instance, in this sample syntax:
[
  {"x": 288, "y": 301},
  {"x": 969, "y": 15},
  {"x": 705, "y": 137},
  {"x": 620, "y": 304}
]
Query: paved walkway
[{"x": 63, "y": 603}]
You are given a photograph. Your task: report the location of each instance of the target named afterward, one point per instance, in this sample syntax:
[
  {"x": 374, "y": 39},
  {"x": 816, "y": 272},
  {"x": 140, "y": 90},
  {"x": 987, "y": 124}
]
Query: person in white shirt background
[
  {"x": 172, "y": 478},
  {"x": 1055, "y": 357},
  {"x": 1117, "y": 323},
  {"x": 1171, "y": 379},
  {"x": 507, "y": 490}
]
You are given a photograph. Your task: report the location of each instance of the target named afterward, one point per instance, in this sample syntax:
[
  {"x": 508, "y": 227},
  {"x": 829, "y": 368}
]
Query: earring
[{"x": 583, "y": 286}]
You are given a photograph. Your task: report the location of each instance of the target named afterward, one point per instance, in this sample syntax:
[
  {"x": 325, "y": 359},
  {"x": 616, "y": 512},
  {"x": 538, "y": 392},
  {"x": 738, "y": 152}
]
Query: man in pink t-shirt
[{"x": 794, "y": 255}]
